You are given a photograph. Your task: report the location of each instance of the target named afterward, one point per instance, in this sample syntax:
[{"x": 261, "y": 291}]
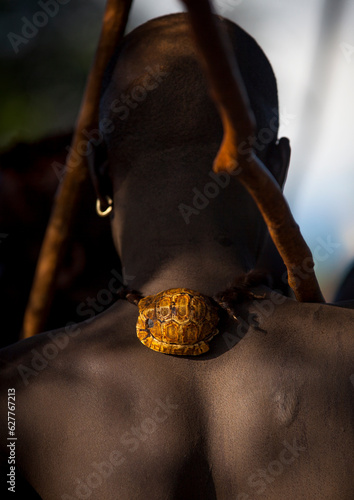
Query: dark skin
[{"x": 268, "y": 412}]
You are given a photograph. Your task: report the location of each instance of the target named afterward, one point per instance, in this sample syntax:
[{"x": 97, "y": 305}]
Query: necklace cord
[{"x": 240, "y": 291}]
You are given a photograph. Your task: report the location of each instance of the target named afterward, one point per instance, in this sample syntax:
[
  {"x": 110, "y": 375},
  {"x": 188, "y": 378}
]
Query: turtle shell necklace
[{"x": 182, "y": 321}]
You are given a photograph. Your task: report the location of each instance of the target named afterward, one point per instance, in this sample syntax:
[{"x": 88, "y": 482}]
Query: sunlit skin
[{"x": 267, "y": 412}]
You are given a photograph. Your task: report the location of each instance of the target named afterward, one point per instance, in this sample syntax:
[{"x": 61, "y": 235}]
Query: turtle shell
[{"x": 177, "y": 321}]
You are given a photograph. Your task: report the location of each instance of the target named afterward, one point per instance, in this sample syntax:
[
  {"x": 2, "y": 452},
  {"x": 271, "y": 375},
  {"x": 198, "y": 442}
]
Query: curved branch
[
  {"x": 230, "y": 95},
  {"x": 66, "y": 202}
]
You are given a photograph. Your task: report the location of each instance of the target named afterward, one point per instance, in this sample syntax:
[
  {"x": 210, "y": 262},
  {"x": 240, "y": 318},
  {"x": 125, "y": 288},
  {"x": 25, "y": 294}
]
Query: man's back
[{"x": 270, "y": 415}]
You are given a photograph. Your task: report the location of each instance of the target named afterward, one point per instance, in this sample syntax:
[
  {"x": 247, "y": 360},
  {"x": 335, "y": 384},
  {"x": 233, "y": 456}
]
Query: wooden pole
[
  {"x": 66, "y": 202},
  {"x": 230, "y": 95}
]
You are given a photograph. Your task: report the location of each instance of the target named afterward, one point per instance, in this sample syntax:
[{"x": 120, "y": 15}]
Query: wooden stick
[
  {"x": 65, "y": 205},
  {"x": 230, "y": 95}
]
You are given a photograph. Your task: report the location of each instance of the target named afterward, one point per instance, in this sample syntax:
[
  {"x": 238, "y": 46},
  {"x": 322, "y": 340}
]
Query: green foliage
[{"x": 41, "y": 85}]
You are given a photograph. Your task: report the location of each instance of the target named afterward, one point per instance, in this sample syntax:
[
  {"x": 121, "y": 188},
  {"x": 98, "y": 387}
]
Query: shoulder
[
  {"x": 308, "y": 350},
  {"x": 283, "y": 345},
  {"x": 308, "y": 321},
  {"x": 296, "y": 362},
  {"x": 68, "y": 349},
  {"x": 62, "y": 369},
  {"x": 321, "y": 331},
  {"x": 23, "y": 361}
]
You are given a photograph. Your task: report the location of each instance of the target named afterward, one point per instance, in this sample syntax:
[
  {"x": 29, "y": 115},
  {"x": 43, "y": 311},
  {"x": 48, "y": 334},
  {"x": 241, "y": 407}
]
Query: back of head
[
  {"x": 162, "y": 131},
  {"x": 155, "y": 92}
]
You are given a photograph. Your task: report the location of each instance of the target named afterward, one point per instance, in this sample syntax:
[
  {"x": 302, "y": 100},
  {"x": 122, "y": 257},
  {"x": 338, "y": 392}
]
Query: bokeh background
[{"x": 310, "y": 45}]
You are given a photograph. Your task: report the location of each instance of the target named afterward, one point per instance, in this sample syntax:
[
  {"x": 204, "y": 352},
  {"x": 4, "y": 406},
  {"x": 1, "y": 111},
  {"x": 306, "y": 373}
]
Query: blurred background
[{"x": 45, "y": 58}]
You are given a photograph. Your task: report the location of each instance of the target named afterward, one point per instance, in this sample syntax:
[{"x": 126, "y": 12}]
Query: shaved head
[
  {"x": 162, "y": 131},
  {"x": 155, "y": 92}
]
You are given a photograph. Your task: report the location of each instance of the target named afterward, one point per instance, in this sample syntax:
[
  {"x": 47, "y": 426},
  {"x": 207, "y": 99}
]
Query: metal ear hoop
[{"x": 108, "y": 209}]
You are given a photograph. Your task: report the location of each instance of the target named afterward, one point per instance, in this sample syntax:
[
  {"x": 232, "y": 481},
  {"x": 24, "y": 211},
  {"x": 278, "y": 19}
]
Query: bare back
[{"x": 270, "y": 415}]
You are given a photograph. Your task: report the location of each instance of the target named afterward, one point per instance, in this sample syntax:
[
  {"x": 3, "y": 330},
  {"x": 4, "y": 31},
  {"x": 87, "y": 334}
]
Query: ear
[
  {"x": 278, "y": 159},
  {"x": 99, "y": 171}
]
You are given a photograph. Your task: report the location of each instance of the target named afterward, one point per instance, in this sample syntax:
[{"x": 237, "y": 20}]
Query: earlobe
[{"x": 278, "y": 160}]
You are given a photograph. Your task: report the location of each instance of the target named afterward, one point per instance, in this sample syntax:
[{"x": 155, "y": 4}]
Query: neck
[
  {"x": 206, "y": 268},
  {"x": 158, "y": 248}
]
